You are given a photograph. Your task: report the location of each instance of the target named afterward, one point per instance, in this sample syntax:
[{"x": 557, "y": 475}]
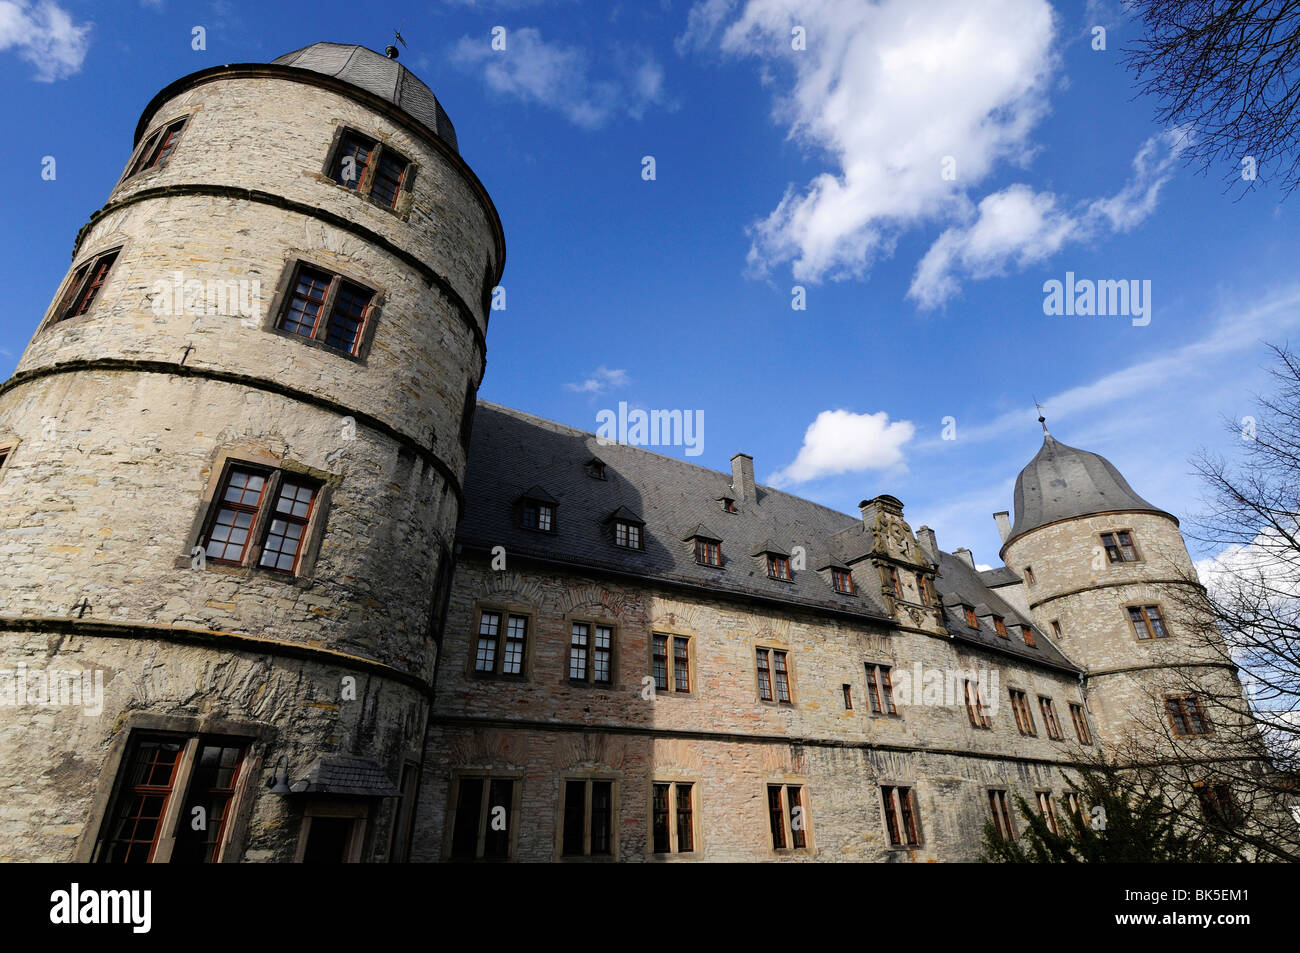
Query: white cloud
[
  {"x": 559, "y": 77},
  {"x": 45, "y": 35},
  {"x": 602, "y": 380},
  {"x": 840, "y": 441},
  {"x": 887, "y": 90}
]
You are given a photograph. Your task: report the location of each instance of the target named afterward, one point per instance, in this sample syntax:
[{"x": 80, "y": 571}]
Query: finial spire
[{"x": 1041, "y": 419}]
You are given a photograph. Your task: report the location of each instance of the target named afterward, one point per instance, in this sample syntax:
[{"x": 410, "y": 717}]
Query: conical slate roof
[
  {"x": 1064, "y": 482},
  {"x": 377, "y": 74}
]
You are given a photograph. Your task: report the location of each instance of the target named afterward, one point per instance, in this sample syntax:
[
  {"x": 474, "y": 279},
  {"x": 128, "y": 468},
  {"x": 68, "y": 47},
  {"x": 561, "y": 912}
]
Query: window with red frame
[
  {"x": 326, "y": 308},
  {"x": 85, "y": 285},
  {"x": 158, "y": 148},
  {"x": 263, "y": 508}
]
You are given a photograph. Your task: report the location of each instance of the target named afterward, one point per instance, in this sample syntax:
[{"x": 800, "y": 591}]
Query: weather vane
[
  {"x": 1041, "y": 419},
  {"x": 392, "y": 50}
]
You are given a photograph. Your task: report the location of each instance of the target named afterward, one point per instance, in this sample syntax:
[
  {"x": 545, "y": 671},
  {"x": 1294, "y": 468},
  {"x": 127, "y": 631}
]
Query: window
[
  {"x": 1047, "y": 810},
  {"x": 158, "y": 148},
  {"x": 1027, "y": 633},
  {"x": 672, "y": 817},
  {"x": 901, "y": 816},
  {"x": 999, "y": 626},
  {"x": 672, "y": 672},
  {"x": 1119, "y": 547},
  {"x": 1001, "y": 815},
  {"x": 538, "y": 516},
  {"x": 773, "y": 676},
  {"x": 842, "y": 580},
  {"x": 1056, "y": 628},
  {"x": 588, "y": 812},
  {"x": 399, "y": 845},
  {"x": 1187, "y": 716},
  {"x": 893, "y": 586},
  {"x": 145, "y": 826},
  {"x": 1029, "y": 576},
  {"x": 926, "y": 590},
  {"x": 708, "y": 552},
  {"x": 848, "y": 696},
  {"x": 483, "y": 818},
  {"x": 971, "y": 619},
  {"x": 370, "y": 169},
  {"x": 85, "y": 285},
  {"x": 467, "y": 415},
  {"x": 1050, "y": 721},
  {"x": 1080, "y": 719},
  {"x": 778, "y": 567},
  {"x": 786, "y": 818},
  {"x": 595, "y": 469},
  {"x": 728, "y": 505},
  {"x": 500, "y": 651},
  {"x": 260, "y": 505},
  {"x": 1147, "y": 622},
  {"x": 627, "y": 535},
  {"x": 1024, "y": 717},
  {"x": 4, "y": 456},
  {"x": 1073, "y": 803},
  {"x": 591, "y": 654},
  {"x": 975, "y": 708},
  {"x": 327, "y": 309},
  {"x": 880, "y": 690},
  {"x": 1218, "y": 803}
]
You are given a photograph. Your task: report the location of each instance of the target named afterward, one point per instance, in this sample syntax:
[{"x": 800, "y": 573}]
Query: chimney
[
  {"x": 742, "y": 477},
  {"x": 929, "y": 545},
  {"x": 1004, "y": 524},
  {"x": 965, "y": 556}
]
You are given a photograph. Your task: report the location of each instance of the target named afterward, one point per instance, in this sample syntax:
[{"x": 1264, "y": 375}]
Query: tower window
[
  {"x": 1147, "y": 622},
  {"x": 85, "y": 285},
  {"x": 847, "y": 689},
  {"x": 1029, "y": 576},
  {"x": 158, "y": 148},
  {"x": 1119, "y": 547},
  {"x": 1218, "y": 803},
  {"x": 1186, "y": 715},
  {"x": 269, "y": 508},
  {"x": 1056, "y": 628},
  {"x": 842, "y": 580},
  {"x": 327, "y": 309},
  {"x": 370, "y": 169}
]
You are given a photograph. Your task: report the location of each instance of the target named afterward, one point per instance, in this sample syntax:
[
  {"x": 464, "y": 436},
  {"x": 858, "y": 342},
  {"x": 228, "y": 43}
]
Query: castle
[{"x": 278, "y": 587}]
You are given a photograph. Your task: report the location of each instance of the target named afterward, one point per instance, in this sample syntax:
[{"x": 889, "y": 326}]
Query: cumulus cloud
[
  {"x": 602, "y": 380},
  {"x": 560, "y": 77},
  {"x": 840, "y": 441},
  {"x": 1017, "y": 226},
  {"x": 44, "y": 35},
  {"x": 887, "y": 91}
]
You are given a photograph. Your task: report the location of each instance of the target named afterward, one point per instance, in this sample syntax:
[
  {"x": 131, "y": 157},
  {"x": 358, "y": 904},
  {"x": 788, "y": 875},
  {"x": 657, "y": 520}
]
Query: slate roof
[
  {"x": 511, "y": 451},
  {"x": 1064, "y": 482},
  {"x": 999, "y": 576},
  {"x": 378, "y": 74},
  {"x": 345, "y": 774}
]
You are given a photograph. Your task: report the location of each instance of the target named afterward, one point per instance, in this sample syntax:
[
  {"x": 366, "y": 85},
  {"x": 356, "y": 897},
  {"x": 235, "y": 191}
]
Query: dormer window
[
  {"x": 627, "y": 535},
  {"x": 539, "y": 516},
  {"x": 728, "y": 504},
  {"x": 1028, "y": 633},
  {"x": 595, "y": 469},
  {"x": 842, "y": 580},
  {"x": 971, "y": 619},
  {"x": 708, "y": 552},
  {"x": 999, "y": 626},
  {"x": 778, "y": 567}
]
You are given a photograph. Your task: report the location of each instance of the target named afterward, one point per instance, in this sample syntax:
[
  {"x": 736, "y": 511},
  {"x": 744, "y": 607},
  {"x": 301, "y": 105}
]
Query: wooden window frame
[
  {"x": 485, "y": 815},
  {"x": 1051, "y": 724},
  {"x": 313, "y": 524},
  {"x": 148, "y": 157},
  {"x": 924, "y": 590},
  {"x": 674, "y": 851},
  {"x": 287, "y": 291},
  {"x": 1073, "y": 803},
  {"x": 880, "y": 691},
  {"x": 708, "y": 552},
  {"x": 670, "y": 665},
  {"x": 589, "y": 780},
  {"x": 504, "y": 611},
  {"x": 901, "y": 816},
  {"x": 1047, "y": 809},
  {"x": 787, "y": 839},
  {"x": 1079, "y": 715},
  {"x": 1029, "y": 576},
  {"x": 972, "y": 620},
  {"x": 771, "y": 653},
  {"x": 1024, "y": 714},
  {"x": 589, "y": 678},
  {"x": 1219, "y": 804},
  {"x": 1182, "y": 709},
  {"x": 1143, "y": 610},
  {"x": 631, "y": 531},
  {"x": 7, "y": 448},
  {"x": 778, "y": 568},
  {"x": 846, "y": 576},
  {"x": 976, "y": 708},
  {"x": 543, "y": 508},
  {"x": 72, "y": 295},
  {"x": 847, "y": 690},
  {"x": 379, "y": 151},
  {"x": 1056, "y": 629},
  {"x": 1027, "y": 633},
  {"x": 1127, "y": 552},
  {"x": 1000, "y": 809},
  {"x": 1000, "y": 627}
]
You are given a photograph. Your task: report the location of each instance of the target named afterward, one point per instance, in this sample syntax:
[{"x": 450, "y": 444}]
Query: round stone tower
[
  {"x": 1107, "y": 574},
  {"x": 230, "y": 475}
]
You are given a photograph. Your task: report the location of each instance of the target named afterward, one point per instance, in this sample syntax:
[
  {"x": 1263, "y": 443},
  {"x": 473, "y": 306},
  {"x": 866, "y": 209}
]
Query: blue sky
[{"x": 822, "y": 167}]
